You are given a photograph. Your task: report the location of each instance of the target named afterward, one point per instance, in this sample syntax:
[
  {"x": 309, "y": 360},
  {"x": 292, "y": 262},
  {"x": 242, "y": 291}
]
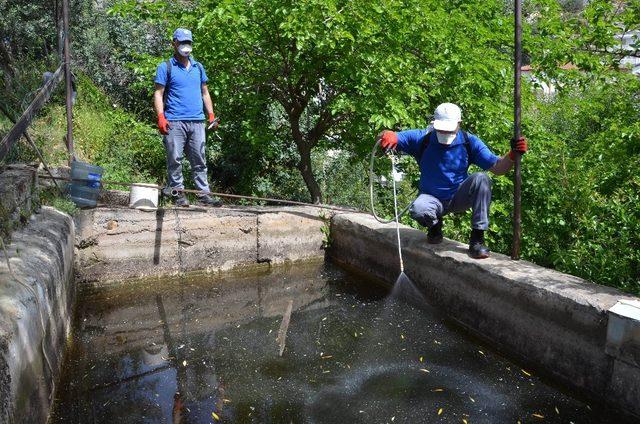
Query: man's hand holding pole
[{"x": 518, "y": 146}]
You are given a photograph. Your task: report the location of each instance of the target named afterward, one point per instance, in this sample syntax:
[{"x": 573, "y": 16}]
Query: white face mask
[
  {"x": 444, "y": 138},
  {"x": 185, "y": 49}
]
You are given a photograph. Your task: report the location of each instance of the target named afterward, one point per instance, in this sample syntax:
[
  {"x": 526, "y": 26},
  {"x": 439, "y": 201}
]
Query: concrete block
[
  {"x": 623, "y": 332},
  {"x": 216, "y": 240},
  {"x": 121, "y": 243},
  {"x": 291, "y": 235}
]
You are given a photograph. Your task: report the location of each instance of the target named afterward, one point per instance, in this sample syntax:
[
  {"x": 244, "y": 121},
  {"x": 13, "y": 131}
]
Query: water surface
[{"x": 204, "y": 350}]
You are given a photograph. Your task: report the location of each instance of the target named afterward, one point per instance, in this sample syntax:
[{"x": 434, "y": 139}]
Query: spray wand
[{"x": 394, "y": 158}]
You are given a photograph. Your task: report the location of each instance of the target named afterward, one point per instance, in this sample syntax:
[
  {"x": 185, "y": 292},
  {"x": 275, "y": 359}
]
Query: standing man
[
  {"x": 180, "y": 91},
  {"x": 444, "y": 152}
]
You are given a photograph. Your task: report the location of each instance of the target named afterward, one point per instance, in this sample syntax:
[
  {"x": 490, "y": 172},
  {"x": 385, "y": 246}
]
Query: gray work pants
[
  {"x": 474, "y": 193},
  {"x": 186, "y": 136}
]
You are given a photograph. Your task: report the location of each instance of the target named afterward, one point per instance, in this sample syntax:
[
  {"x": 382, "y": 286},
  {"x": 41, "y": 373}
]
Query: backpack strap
[
  {"x": 168, "y": 82},
  {"x": 424, "y": 144},
  {"x": 199, "y": 66},
  {"x": 467, "y": 144}
]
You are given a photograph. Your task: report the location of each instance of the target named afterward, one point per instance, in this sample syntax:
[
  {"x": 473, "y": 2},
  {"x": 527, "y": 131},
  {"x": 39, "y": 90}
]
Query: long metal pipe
[
  {"x": 67, "y": 77},
  {"x": 517, "y": 182},
  {"x": 175, "y": 192}
]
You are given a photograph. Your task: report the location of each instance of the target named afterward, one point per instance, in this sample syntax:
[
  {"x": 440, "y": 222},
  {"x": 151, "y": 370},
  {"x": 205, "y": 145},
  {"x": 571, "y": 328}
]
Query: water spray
[{"x": 403, "y": 288}]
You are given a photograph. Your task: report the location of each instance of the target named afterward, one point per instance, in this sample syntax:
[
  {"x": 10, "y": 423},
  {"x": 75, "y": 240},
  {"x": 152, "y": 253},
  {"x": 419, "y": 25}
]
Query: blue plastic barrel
[{"x": 85, "y": 185}]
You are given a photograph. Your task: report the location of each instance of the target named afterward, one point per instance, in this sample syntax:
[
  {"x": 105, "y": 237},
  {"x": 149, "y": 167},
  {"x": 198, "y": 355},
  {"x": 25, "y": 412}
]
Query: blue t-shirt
[
  {"x": 184, "y": 97},
  {"x": 444, "y": 167}
]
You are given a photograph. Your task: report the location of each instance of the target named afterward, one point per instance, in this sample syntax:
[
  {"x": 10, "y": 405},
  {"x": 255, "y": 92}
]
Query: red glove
[
  {"x": 520, "y": 146},
  {"x": 212, "y": 118},
  {"x": 163, "y": 124},
  {"x": 388, "y": 140}
]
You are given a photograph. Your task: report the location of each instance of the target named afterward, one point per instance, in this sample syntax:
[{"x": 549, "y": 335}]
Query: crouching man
[{"x": 444, "y": 153}]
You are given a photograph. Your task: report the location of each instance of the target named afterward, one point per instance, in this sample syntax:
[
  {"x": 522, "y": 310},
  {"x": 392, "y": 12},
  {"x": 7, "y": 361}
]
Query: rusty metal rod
[
  {"x": 33, "y": 145},
  {"x": 517, "y": 110},
  {"x": 67, "y": 77},
  {"x": 15, "y": 133},
  {"x": 183, "y": 190}
]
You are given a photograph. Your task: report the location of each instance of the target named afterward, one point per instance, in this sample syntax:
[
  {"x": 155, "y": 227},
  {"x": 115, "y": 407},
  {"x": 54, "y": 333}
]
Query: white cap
[{"x": 447, "y": 117}]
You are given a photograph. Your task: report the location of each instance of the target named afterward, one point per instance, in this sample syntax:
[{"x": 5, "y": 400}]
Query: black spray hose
[{"x": 372, "y": 180}]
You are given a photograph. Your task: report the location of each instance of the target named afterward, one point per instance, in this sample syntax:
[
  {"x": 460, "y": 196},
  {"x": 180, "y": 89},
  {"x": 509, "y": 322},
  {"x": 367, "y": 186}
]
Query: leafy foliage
[{"x": 305, "y": 85}]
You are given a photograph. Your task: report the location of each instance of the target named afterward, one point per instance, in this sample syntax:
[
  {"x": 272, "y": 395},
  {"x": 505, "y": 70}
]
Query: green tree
[{"x": 327, "y": 73}]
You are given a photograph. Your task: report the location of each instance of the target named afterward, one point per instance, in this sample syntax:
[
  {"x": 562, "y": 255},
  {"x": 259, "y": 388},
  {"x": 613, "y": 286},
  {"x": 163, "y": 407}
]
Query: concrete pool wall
[
  {"x": 121, "y": 243},
  {"x": 41, "y": 257},
  {"x": 108, "y": 246},
  {"x": 555, "y": 323}
]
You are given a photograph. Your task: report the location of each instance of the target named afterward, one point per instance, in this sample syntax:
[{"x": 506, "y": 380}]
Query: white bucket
[{"x": 143, "y": 197}]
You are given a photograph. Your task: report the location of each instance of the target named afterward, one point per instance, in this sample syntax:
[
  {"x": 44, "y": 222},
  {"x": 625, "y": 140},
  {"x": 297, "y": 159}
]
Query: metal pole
[
  {"x": 517, "y": 183},
  {"x": 67, "y": 77},
  {"x": 33, "y": 146}
]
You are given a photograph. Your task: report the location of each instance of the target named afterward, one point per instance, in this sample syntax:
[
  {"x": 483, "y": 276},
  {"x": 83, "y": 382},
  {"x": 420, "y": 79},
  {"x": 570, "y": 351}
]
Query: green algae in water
[{"x": 200, "y": 350}]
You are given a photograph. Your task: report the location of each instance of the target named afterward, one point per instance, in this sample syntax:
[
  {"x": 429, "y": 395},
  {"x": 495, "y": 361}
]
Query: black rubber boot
[
  {"x": 181, "y": 200},
  {"x": 207, "y": 200},
  {"x": 477, "y": 249},
  {"x": 434, "y": 235}
]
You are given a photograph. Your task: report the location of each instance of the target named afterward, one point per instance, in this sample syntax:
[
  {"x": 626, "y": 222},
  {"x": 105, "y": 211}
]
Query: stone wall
[
  {"x": 553, "y": 322},
  {"x": 36, "y": 303}
]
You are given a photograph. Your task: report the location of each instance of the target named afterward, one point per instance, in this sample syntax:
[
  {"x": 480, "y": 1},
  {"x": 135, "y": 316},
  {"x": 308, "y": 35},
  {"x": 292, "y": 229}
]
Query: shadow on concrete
[{"x": 158, "y": 240}]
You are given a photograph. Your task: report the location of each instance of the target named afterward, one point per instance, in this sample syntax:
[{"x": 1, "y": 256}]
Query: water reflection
[{"x": 202, "y": 350}]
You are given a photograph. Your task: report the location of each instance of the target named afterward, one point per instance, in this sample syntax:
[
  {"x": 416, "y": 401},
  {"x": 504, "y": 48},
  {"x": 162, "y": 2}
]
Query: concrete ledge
[
  {"x": 120, "y": 243},
  {"x": 41, "y": 256},
  {"x": 552, "y": 321}
]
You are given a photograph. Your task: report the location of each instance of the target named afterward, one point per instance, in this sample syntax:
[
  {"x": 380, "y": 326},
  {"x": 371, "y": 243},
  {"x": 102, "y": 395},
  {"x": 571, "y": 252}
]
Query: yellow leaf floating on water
[
  {"x": 465, "y": 421},
  {"x": 226, "y": 400},
  {"x": 528, "y": 374},
  {"x": 481, "y": 352},
  {"x": 215, "y": 416},
  {"x": 402, "y": 336},
  {"x": 421, "y": 359},
  {"x": 440, "y": 411},
  {"x": 538, "y": 416},
  {"x": 437, "y": 390}
]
